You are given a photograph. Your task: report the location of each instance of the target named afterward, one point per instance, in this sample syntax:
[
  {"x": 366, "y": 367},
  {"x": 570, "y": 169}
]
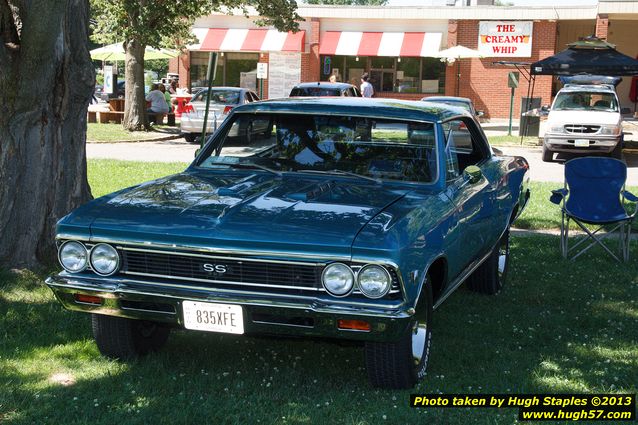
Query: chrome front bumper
[
  {"x": 566, "y": 143},
  {"x": 263, "y": 313}
]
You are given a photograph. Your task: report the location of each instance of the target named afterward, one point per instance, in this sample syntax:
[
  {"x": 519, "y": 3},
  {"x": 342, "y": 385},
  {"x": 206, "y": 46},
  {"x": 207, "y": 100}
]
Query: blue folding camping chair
[{"x": 594, "y": 195}]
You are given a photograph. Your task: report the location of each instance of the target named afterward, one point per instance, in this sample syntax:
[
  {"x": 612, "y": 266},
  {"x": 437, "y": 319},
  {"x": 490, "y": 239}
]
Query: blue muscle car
[{"x": 344, "y": 218}]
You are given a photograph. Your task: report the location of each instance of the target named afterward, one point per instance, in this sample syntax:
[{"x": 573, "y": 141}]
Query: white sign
[
  {"x": 262, "y": 70},
  {"x": 285, "y": 73},
  {"x": 505, "y": 38},
  {"x": 108, "y": 79}
]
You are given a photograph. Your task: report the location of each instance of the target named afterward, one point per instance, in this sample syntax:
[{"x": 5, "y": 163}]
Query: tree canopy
[{"x": 168, "y": 23}]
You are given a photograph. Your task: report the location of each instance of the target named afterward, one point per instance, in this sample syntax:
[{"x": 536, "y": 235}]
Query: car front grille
[
  {"x": 222, "y": 270},
  {"x": 582, "y": 129},
  {"x": 219, "y": 271}
]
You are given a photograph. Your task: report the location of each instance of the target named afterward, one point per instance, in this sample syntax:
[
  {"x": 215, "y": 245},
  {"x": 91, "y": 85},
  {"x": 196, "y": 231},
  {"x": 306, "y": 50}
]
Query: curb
[
  {"x": 156, "y": 139},
  {"x": 555, "y": 232}
]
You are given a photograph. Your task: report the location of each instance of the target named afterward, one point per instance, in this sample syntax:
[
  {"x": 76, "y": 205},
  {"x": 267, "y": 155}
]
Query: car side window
[{"x": 463, "y": 146}]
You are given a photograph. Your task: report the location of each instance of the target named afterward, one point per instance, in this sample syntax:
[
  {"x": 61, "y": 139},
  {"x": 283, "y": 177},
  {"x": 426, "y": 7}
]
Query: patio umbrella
[
  {"x": 454, "y": 54},
  {"x": 115, "y": 52}
]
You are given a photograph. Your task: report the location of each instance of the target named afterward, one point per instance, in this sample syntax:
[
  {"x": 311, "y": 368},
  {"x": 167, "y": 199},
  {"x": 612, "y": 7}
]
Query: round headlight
[
  {"x": 338, "y": 279},
  {"x": 104, "y": 259},
  {"x": 73, "y": 256},
  {"x": 374, "y": 281}
]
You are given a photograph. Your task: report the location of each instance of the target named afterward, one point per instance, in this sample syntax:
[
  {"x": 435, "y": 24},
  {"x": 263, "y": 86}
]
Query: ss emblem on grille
[{"x": 214, "y": 268}]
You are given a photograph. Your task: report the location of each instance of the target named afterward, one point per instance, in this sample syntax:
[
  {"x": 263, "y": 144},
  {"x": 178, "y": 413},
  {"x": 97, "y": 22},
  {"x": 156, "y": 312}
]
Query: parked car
[
  {"x": 584, "y": 119},
  {"x": 350, "y": 219},
  {"x": 222, "y": 101},
  {"x": 320, "y": 88},
  {"x": 461, "y": 102}
]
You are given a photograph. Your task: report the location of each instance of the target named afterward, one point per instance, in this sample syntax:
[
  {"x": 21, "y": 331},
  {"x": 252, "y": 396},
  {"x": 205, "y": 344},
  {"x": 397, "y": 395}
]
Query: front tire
[
  {"x": 490, "y": 276},
  {"x": 127, "y": 339},
  {"x": 617, "y": 152},
  {"x": 191, "y": 138},
  {"x": 401, "y": 364},
  {"x": 548, "y": 156}
]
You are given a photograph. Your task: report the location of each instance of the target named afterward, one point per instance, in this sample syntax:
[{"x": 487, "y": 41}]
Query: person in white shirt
[
  {"x": 366, "y": 88},
  {"x": 158, "y": 101}
]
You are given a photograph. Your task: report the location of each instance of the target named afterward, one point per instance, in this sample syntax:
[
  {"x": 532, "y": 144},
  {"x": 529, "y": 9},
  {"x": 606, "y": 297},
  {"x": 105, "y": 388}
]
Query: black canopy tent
[{"x": 589, "y": 55}]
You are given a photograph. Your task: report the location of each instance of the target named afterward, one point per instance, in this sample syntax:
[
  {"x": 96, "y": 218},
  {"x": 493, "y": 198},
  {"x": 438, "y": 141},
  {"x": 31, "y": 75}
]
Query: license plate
[
  {"x": 581, "y": 143},
  {"x": 213, "y": 317}
]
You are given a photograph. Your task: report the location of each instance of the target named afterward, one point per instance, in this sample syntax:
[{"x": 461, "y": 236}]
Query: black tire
[
  {"x": 191, "y": 137},
  {"x": 617, "y": 152},
  {"x": 394, "y": 365},
  {"x": 490, "y": 276},
  {"x": 127, "y": 339},
  {"x": 548, "y": 156}
]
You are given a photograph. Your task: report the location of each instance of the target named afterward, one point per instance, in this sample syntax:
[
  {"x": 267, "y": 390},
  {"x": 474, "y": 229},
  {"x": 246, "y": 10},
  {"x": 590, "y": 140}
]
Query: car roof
[
  {"x": 446, "y": 99},
  {"x": 324, "y": 85},
  {"x": 603, "y": 88},
  {"x": 225, "y": 88},
  {"x": 358, "y": 106}
]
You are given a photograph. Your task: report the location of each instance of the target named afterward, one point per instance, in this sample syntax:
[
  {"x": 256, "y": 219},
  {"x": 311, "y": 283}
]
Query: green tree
[
  {"x": 141, "y": 23},
  {"x": 349, "y": 2},
  {"x": 46, "y": 82}
]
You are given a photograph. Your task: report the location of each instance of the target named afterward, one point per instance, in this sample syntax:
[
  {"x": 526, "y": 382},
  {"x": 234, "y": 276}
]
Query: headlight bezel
[
  {"x": 117, "y": 256},
  {"x": 352, "y": 277},
  {"x": 387, "y": 274},
  {"x": 86, "y": 256}
]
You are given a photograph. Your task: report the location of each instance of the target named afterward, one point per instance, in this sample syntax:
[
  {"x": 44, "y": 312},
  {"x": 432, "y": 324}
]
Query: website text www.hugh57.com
[{"x": 541, "y": 407}]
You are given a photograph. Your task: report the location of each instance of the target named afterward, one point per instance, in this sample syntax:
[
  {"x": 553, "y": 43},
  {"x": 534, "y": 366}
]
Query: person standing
[{"x": 366, "y": 88}]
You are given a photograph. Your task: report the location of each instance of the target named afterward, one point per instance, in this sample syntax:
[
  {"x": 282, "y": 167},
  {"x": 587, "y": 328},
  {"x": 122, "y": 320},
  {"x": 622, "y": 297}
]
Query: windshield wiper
[
  {"x": 247, "y": 166},
  {"x": 341, "y": 173}
]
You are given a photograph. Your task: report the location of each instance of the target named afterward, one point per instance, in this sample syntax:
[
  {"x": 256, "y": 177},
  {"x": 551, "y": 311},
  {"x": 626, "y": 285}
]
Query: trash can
[{"x": 529, "y": 126}]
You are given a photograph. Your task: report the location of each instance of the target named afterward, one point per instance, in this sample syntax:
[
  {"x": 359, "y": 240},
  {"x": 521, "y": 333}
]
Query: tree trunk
[
  {"x": 135, "y": 110},
  {"x": 46, "y": 82}
]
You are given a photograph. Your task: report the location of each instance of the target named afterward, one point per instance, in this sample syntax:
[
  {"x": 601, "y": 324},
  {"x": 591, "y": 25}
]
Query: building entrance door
[{"x": 382, "y": 79}]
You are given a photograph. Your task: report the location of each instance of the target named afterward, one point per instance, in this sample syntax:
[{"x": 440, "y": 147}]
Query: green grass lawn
[
  {"x": 557, "y": 326},
  {"x": 513, "y": 141},
  {"x": 115, "y": 133}
]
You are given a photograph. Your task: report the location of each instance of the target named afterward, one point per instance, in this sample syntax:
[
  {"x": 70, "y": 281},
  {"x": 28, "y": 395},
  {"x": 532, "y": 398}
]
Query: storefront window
[
  {"x": 355, "y": 66},
  {"x": 408, "y": 75},
  {"x": 332, "y": 65},
  {"x": 382, "y": 62},
  {"x": 233, "y": 70},
  {"x": 432, "y": 76}
]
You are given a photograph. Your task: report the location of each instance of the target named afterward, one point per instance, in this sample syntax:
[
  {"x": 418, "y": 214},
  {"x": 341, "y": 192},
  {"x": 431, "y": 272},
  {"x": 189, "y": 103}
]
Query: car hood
[
  {"x": 583, "y": 117},
  {"x": 246, "y": 211}
]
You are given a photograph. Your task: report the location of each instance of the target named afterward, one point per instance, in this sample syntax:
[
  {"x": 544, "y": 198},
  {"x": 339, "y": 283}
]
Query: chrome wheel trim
[
  {"x": 419, "y": 339},
  {"x": 503, "y": 255}
]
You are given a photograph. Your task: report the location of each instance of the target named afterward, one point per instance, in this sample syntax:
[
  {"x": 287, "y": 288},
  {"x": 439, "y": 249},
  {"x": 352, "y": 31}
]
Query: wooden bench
[
  {"x": 91, "y": 116},
  {"x": 114, "y": 116}
]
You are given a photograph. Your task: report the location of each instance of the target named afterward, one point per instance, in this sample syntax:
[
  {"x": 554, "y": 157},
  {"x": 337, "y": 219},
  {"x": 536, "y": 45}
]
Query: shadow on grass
[{"x": 557, "y": 326}]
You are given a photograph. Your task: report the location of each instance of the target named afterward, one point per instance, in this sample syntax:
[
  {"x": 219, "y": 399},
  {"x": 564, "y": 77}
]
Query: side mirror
[
  {"x": 472, "y": 173},
  {"x": 197, "y": 151},
  {"x": 480, "y": 113}
]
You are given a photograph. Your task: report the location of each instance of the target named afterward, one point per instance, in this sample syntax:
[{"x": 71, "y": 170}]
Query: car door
[{"x": 473, "y": 202}]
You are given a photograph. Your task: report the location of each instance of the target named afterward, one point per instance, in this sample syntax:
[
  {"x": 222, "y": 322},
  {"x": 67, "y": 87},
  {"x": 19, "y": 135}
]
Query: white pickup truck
[{"x": 584, "y": 119}]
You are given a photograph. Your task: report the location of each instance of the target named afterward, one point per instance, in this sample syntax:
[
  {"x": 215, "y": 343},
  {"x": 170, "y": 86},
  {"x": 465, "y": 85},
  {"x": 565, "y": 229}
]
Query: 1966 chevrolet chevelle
[{"x": 340, "y": 218}]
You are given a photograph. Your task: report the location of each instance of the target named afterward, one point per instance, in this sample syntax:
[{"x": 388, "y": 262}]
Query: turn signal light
[
  {"x": 355, "y": 325},
  {"x": 88, "y": 299},
  {"x": 227, "y": 110}
]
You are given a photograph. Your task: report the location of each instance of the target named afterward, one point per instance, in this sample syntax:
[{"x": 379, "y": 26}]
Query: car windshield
[
  {"x": 354, "y": 146},
  {"x": 223, "y": 97},
  {"x": 586, "y": 101},
  {"x": 314, "y": 91}
]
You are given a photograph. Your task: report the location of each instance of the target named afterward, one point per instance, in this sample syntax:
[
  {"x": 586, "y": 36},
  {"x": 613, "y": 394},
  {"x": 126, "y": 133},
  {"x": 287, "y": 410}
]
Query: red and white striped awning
[
  {"x": 248, "y": 40},
  {"x": 380, "y": 43}
]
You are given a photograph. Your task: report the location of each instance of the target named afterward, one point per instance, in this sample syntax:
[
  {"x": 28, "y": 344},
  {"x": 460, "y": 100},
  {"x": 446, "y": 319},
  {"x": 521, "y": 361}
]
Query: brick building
[{"x": 396, "y": 45}]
